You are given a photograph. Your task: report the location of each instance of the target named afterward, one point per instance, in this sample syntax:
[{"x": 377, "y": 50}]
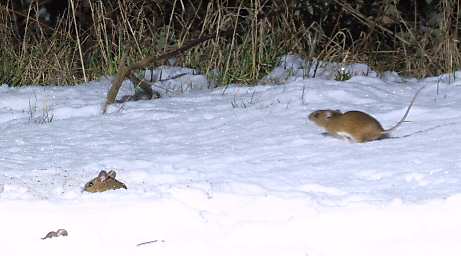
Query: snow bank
[{"x": 232, "y": 171}]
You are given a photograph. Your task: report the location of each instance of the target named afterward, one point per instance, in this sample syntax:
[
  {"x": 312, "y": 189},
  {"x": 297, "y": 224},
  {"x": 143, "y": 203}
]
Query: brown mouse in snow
[
  {"x": 355, "y": 125},
  {"x": 104, "y": 181}
]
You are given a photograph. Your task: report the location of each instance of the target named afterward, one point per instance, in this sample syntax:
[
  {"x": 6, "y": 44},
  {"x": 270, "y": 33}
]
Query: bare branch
[{"x": 127, "y": 71}]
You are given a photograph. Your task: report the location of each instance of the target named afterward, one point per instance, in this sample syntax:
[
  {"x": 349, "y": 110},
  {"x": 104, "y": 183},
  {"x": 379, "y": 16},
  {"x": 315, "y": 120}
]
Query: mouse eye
[
  {"x": 90, "y": 184},
  {"x": 328, "y": 114}
]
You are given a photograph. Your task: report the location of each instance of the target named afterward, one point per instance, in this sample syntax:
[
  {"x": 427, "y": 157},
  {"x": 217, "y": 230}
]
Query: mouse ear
[
  {"x": 102, "y": 175},
  {"x": 328, "y": 114},
  {"x": 112, "y": 174}
]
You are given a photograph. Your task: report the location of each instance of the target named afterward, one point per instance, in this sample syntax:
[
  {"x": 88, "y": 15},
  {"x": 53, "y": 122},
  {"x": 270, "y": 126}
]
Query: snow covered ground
[{"x": 232, "y": 171}]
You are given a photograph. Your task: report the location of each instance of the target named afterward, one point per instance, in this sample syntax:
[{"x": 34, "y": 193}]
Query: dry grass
[{"x": 90, "y": 39}]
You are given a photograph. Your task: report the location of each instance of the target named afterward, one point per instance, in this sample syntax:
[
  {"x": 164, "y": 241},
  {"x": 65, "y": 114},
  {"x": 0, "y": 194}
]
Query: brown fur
[
  {"x": 354, "y": 125},
  {"x": 105, "y": 181}
]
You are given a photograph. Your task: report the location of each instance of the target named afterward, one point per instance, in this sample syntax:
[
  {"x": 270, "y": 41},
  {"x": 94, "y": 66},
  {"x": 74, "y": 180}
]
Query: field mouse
[
  {"x": 104, "y": 181},
  {"x": 355, "y": 125},
  {"x": 59, "y": 232}
]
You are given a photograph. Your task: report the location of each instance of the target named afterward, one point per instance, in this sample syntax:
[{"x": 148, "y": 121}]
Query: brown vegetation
[{"x": 83, "y": 40}]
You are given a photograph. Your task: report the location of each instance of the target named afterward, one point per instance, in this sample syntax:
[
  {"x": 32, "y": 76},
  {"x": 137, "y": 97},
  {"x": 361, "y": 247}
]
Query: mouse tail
[{"x": 406, "y": 113}]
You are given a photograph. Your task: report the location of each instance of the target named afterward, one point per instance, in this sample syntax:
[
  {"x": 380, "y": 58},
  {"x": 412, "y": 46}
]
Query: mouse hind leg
[
  {"x": 371, "y": 136},
  {"x": 347, "y": 136}
]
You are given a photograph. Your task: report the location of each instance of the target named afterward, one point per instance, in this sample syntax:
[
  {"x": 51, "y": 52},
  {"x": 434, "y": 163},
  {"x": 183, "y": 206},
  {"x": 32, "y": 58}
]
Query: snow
[{"x": 233, "y": 170}]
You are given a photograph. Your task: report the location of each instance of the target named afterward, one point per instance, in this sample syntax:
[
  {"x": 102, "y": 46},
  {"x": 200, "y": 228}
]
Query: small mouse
[
  {"x": 59, "y": 232},
  {"x": 104, "y": 181},
  {"x": 355, "y": 125}
]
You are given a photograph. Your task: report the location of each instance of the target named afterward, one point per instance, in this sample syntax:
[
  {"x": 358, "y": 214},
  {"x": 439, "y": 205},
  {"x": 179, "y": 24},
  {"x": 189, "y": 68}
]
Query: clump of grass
[
  {"x": 40, "y": 114},
  {"x": 243, "y": 102},
  {"x": 416, "y": 47},
  {"x": 342, "y": 75}
]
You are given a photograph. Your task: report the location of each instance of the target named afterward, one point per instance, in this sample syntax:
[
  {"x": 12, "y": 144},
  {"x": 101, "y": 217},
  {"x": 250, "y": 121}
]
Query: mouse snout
[{"x": 313, "y": 115}]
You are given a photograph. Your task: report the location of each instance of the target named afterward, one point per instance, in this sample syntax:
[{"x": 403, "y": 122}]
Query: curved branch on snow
[{"x": 127, "y": 71}]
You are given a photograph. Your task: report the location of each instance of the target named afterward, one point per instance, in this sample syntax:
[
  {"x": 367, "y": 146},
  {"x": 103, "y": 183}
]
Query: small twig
[
  {"x": 317, "y": 63},
  {"x": 252, "y": 97},
  {"x": 150, "y": 242},
  {"x": 173, "y": 77},
  {"x": 302, "y": 95},
  {"x": 82, "y": 62},
  {"x": 234, "y": 102}
]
